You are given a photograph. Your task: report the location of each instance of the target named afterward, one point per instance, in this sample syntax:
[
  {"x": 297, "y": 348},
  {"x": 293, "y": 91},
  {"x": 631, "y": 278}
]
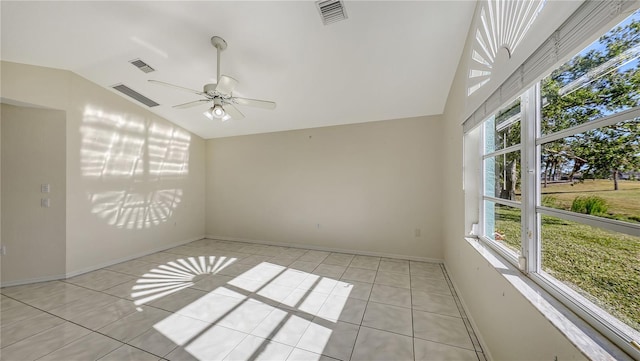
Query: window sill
[{"x": 585, "y": 338}]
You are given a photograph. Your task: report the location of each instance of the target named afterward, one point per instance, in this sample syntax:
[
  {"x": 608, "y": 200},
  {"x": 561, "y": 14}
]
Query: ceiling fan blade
[
  {"x": 254, "y": 103},
  {"x": 177, "y": 87},
  {"x": 226, "y": 84},
  {"x": 232, "y": 111},
  {"x": 191, "y": 104}
]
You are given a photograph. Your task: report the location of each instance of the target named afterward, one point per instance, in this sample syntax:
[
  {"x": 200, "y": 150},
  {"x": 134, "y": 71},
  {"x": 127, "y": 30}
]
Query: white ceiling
[{"x": 388, "y": 60}]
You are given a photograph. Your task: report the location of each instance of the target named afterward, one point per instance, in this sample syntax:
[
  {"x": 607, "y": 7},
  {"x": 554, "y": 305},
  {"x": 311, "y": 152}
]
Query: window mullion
[{"x": 530, "y": 259}]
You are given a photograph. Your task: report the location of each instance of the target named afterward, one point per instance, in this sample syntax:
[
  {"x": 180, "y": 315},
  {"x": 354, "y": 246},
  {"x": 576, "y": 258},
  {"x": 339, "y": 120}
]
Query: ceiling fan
[{"x": 219, "y": 95}]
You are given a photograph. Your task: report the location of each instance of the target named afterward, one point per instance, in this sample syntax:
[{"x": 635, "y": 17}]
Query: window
[{"x": 560, "y": 193}]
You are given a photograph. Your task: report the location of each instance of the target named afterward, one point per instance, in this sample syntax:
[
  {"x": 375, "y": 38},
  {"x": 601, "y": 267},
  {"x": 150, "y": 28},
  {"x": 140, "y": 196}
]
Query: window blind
[{"x": 562, "y": 44}]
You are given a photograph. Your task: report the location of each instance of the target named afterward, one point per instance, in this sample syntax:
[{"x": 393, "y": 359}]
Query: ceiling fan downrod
[{"x": 220, "y": 45}]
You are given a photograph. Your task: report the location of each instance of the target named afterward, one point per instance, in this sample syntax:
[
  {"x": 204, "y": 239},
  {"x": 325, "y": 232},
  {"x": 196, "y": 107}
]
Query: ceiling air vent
[
  {"x": 331, "y": 11},
  {"x": 135, "y": 95},
  {"x": 142, "y": 65}
]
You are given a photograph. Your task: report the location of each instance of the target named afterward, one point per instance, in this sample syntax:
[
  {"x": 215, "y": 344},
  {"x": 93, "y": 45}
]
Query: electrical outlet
[
  {"x": 45, "y": 188},
  {"x": 45, "y": 202}
]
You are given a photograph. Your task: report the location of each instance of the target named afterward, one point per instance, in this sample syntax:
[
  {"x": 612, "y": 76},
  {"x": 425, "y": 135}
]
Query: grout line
[
  {"x": 467, "y": 324},
  {"x": 211, "y": 246}
]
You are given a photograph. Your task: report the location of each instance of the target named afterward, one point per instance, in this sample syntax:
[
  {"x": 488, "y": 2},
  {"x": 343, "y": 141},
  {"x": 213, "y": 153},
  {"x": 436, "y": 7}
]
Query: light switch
[
  {"x": 45, "y": 188},
  {"x": 45, "y": 202}
]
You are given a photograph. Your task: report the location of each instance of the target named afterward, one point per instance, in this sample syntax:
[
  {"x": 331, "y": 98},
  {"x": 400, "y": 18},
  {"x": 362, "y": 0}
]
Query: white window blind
[{"x": 563, "y": 43}]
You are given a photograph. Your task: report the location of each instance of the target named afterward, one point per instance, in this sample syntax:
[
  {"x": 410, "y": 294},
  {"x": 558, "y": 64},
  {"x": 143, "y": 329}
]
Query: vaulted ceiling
[{"x": 388, "y": 60}]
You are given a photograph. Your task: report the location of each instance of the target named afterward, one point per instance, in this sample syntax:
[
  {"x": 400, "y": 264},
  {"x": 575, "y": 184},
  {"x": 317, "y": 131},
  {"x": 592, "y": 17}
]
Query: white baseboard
[
  {"x": 130, "y": 257},
  {"x": 32, "y": 280},
  {"x": 327, "y": 249},
  {"x": 476, "y": 330},
  {"x": 101, "y": 265}
]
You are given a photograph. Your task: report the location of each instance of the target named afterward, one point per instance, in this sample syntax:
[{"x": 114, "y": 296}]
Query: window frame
[{"x": 530, "y": 260}]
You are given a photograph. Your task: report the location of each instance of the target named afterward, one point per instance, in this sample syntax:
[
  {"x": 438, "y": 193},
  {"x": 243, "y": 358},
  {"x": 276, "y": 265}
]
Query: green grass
[
  {"x": 601, "y": 265},
  {"x": 623, "y": 204}
]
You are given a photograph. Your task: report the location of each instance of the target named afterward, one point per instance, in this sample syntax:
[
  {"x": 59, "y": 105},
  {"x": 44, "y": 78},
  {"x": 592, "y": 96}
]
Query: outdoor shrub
[
  {"x": 589, "y": 205},
  {"x": 550, "y": 201}
]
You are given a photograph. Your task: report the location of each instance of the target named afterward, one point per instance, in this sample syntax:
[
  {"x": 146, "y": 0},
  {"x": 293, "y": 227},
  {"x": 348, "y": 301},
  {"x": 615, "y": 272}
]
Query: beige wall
[
  {"x": 33, "y": 153},
  {"x": 364, "y": 187},
  {"x": 135, "y": 182},
  {"x": 511, "y": 328}
]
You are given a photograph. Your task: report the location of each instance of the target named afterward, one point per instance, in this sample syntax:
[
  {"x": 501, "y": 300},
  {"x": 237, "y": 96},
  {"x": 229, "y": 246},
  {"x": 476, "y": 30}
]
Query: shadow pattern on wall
[{"x": 135, "y": 167}]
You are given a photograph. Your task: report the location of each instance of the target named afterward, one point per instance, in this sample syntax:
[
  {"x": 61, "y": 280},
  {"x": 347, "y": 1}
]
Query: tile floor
[{"x": 221, "y": 300}]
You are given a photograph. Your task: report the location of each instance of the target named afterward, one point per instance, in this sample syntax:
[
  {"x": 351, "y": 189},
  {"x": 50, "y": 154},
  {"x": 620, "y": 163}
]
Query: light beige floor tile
[
  {"x": 18, "y": 331},
  {"x": 436, "y": 303},
  {"x": 393, "y": 265},
  {"x": 44, "y": 342},
  {"x": 210, "y": 283},
  {"x": 376, "y": 345},
  {"x": 90, "y": 347},
  {"x": 283, "y": 326},
  {"x": 306, "y": 301},
  {"x": 34, "y": 291},
  {"x": 123, "y": 290},
  {"x": 291, "y": 278},
  {"x": 282, "y": 260},
  {"x": 87, "y": 304},
  {"x": 275, "y": 292},
  {"x": 7, "y": 302},
  {"x": 100, "y": 280},
  {"x": 338, "y": 259},
  {"x": 133, "y": 268},
  {"x": 388, "y": 318},
  {"x": 263, "y": 272},
  {"x": 392, "y": 279},
  {"x": 353, "y": 289},
  {"x": 304, "y": 266},
  {"x": 246, "y": 316},
  {"x": 328, "y": 338},
  {"x": 296, "y": 304},
  {"x": 241, "y": 285},
  {"x": 442, "y": 329},
  {"x": 432, "y": 351},
  {"x": 359, "y": 274},
  {"x": 431, "y": 285},
  {"x": 299, "y": 354},
  {"x": 254, "y": 259},
  {"x": 128, "y": 353},
  {"x": 170, "y": 332},
  {"x": 391, "y": 295},
  {"x": 99, "y": 317},
  {"x": 328, "y": 270},
  {"x": 234, "y": 270},
  {"x": 159, "y": 258},
  {"x": 178, "y": 299},
  {"x": 210, "y": 308},
  {"x": 314, "y": 256},
  {"x": 18, "y": 313},
  {"x": 417, "y": 266},
  {"x": 213, "y": 344},
  {"x": 155, "y": 342},
  {"x": 318, "y": 284},
  {"x": 58, "y": 299},
  {"x": 259, "y": 349},
  {"x": 435, "y": 273},
  {"x": 340, "y": 308},
  {"x": 129, "y": 327},
  {"x": 365, "y": 262}
]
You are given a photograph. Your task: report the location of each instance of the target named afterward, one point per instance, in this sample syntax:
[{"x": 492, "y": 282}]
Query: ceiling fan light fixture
[{"x": 217, "y": 111}]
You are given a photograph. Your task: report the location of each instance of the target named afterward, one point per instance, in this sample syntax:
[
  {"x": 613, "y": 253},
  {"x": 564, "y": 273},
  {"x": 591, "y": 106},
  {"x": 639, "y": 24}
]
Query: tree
[{"x": 601, "y": 81}]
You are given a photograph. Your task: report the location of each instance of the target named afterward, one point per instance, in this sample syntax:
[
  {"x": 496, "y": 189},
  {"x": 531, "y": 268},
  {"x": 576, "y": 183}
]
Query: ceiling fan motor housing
[{"x": 210, "y": 89}]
